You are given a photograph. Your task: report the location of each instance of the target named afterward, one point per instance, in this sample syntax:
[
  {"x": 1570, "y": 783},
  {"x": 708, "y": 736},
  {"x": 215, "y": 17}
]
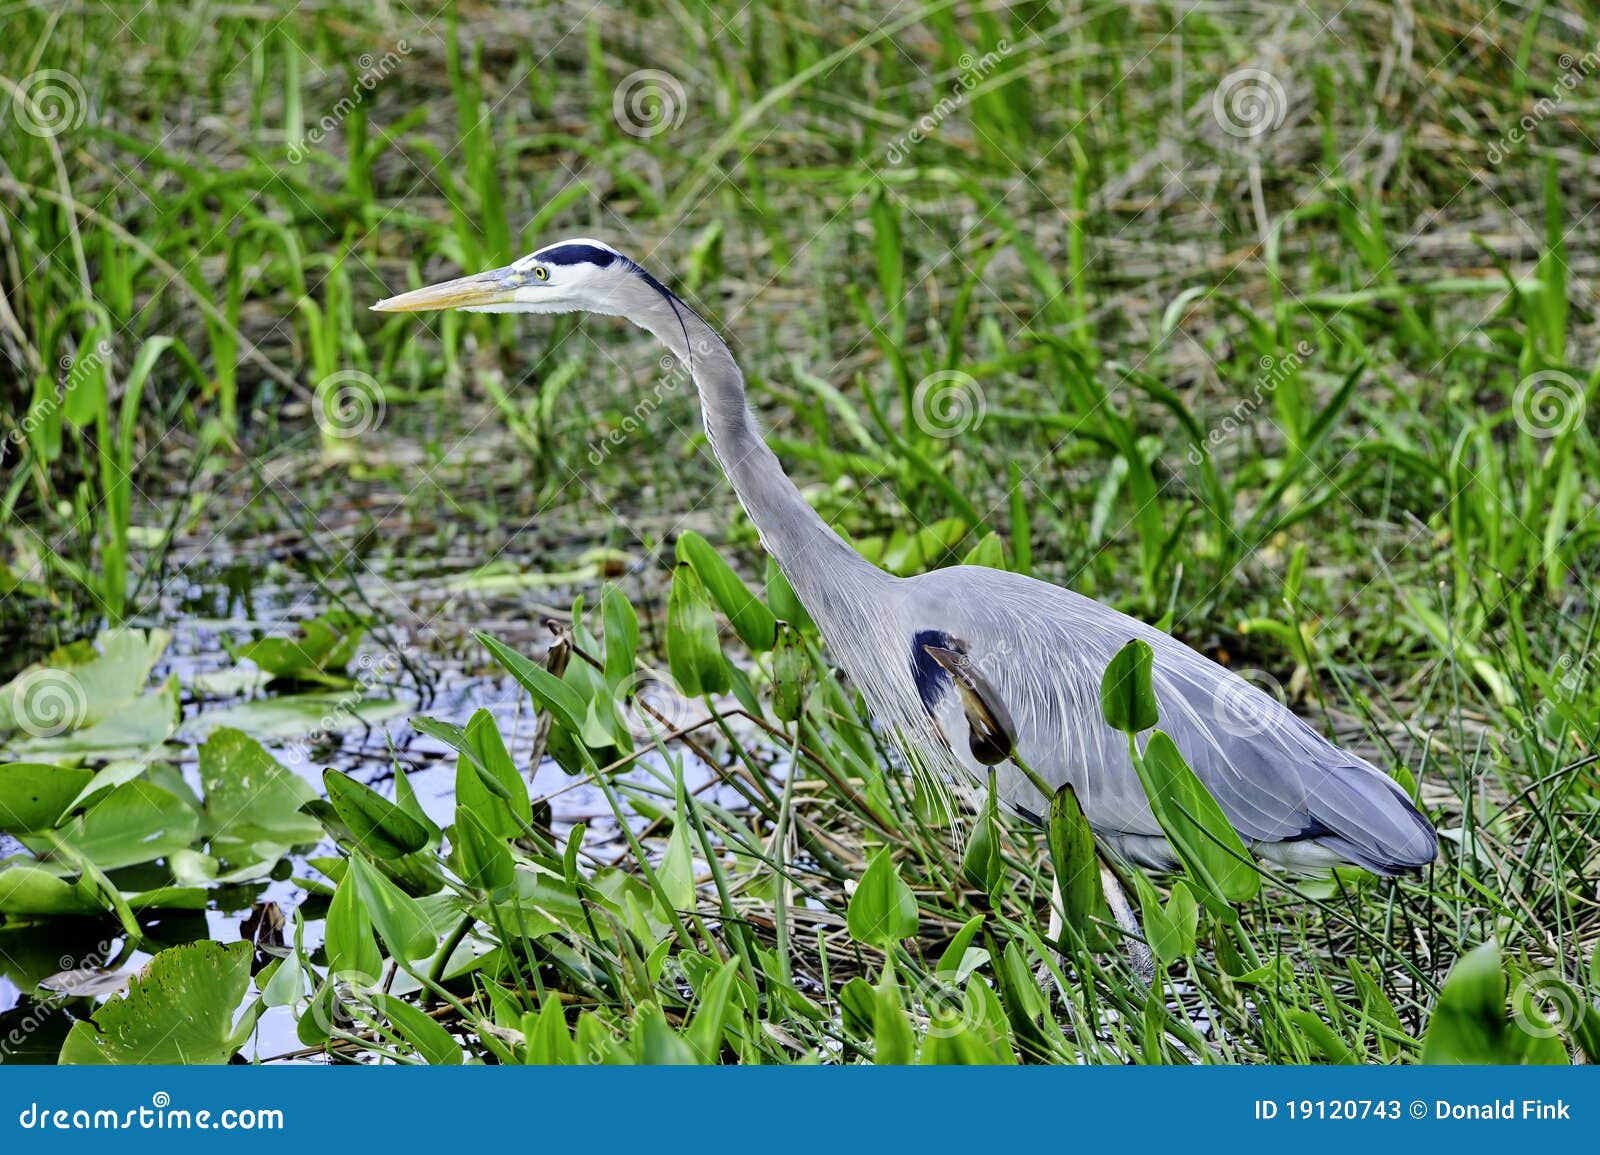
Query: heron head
[{"x": 578, "y": 275}]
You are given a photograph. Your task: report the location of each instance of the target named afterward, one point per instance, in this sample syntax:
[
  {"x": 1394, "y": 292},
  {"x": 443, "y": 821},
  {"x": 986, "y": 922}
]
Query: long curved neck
[{"x": 810, "y": 553}]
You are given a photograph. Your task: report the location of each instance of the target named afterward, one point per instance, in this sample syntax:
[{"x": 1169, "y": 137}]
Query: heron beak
[{"x": 474, "y": 292}]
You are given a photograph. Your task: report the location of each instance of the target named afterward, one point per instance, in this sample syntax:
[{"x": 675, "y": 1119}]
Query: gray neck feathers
[{"x": 820, "y": 565}]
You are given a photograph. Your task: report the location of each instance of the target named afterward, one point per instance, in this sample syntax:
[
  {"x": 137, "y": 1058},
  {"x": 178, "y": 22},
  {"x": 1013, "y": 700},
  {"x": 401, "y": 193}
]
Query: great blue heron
[{"x": 967, "y": 666}]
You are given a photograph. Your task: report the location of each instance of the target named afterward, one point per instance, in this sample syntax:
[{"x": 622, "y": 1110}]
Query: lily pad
[
  {"x": 136, "y": 822},
  {"x": 179, "y": 1010},
  {"x": 79, "y": 686},
  {"x": 296, "y": 716},
  {"x": 252, "y": 806},
  {"x": 324, "y": 648},
  {"x": 137, "y": 726},
  {"x": 34, "y": 795}
]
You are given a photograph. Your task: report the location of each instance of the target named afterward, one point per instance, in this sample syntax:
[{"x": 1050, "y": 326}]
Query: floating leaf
[
  {"x": 288, "y": 716},
  {"x": 179, "y": 1010},
  {"x": 34, "y": 795},
  {"x": 136, "y": 822},
  {"x": 323, "y": 648},
  {"x": 252, "y": 803}
]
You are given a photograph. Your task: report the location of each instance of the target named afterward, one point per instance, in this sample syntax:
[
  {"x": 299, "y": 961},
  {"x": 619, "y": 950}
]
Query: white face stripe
[{"x": 523, "y": 264}]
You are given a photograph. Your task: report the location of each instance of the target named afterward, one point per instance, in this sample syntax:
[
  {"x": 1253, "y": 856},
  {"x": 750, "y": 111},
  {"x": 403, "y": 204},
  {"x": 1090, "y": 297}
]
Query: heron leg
[
  {"x": 1138, "y": 951},
  {"x": 1042, "y": 976}
]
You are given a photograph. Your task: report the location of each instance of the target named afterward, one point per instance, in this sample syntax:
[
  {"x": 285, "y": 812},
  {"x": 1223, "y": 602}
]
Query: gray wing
[{"x": 1043, "y": 649}]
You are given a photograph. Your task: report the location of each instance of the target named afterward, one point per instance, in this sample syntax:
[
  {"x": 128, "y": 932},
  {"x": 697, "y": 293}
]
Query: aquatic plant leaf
[
  {"x": 1076, "y": 864},
  {"x": 288, "y": 716},
  {"x": 676, "y": 872},
  {"x": 431, "y": 1041},
  {"x": 482, "y": 858},
  {"x": 347, "y": 935},
  {"x": 179, "y": 1009},
  {"x": 32, "y": 890},
  {"x": 324, "y": 646},
  {"x": 1127, "y": 689},
  {"x": 783, "y": 601},
  {"x": 883, "y": 910},
  {"x": 1470, "y": 1023},
  {"x": 34, "y": 795},
  {"x": 549, "y": 692},
  {"x": 751, "y": 618},
  {"x": 400, "y": 921},
  {"x": 982, "y": 865},
  {"x": 694, "y": 653},
  {"x": 89, "y": 682},
  {"x": 252, "y": 802},
  {"x": 377, "y": 825},
  {"x": 622, "y": 635},
  {"x": 1195, "y": 825},
  {"x": 137, "y": 822}
]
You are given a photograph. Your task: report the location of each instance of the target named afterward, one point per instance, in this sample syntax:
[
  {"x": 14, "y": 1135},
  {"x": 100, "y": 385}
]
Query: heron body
[{"x": 973, "y": 668}]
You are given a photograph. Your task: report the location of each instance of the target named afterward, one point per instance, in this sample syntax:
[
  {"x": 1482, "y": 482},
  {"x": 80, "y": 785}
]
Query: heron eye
[{"x": 541, "y": 272}]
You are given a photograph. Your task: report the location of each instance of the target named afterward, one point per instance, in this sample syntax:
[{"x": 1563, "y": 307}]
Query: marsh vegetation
[{"x": 417, "y": 692}]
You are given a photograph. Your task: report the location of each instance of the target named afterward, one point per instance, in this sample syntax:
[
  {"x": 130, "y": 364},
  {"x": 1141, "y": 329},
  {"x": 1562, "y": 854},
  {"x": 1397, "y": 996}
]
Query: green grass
[{"x": 1320, "y": 400}]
